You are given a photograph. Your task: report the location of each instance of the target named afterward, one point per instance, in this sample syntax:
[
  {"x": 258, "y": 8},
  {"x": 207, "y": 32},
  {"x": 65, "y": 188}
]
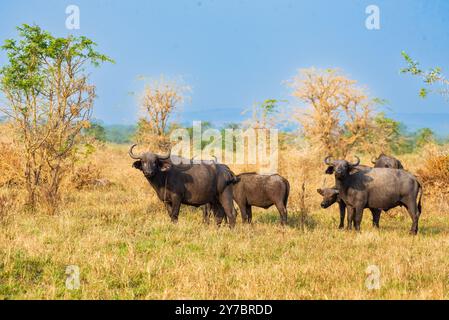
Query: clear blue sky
[{"x": 233, "y": 53}]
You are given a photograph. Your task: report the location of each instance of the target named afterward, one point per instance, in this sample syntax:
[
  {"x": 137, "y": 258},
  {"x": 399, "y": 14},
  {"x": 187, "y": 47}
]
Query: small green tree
[
  {"x": 264, "y": 114},
  {"x": 50, "y": 101},
  {"x": 96, "y": 131},
  {"x": 424, "y": 136}
]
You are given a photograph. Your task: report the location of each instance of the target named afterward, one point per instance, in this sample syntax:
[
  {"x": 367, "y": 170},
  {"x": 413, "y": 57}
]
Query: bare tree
[
  {"x": 337, "y": 115},
  {"x": 159, "y": 100}
]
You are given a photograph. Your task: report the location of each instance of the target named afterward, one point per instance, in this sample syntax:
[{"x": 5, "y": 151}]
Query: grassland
[{"x": 126, "y": 248}]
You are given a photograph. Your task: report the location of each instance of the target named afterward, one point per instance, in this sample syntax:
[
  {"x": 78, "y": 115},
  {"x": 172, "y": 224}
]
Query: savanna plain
[{"x": 119, "y": 235}]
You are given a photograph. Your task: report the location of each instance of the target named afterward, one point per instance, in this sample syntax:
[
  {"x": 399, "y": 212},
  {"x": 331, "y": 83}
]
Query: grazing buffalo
[
  {"x": 381, "y": 188},
  {"x": 384, "y": 161},
  {"x": 181, "y": 182},
  {"x": 258, "y": 190},
  {"x": 331, "y": 195}
]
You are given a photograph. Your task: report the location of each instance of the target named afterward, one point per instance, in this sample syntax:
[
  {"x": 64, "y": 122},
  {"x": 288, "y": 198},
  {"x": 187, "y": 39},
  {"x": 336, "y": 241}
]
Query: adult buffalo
[
  {"x": 259, "y": 190},
  {"x": 331, "y": 195},
  {"x": 384, "y": 161},
  {"x": 181, "y": 182},
  {"x": 381, "y": 188}
]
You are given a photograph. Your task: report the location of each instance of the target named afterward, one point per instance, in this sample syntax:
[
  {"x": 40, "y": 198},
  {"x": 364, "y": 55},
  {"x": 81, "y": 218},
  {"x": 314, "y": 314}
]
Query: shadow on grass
[
  {"x": 294, "y": 220},
  {"x": 402, "y": 225},
  {"x": 432, "y": 230}
]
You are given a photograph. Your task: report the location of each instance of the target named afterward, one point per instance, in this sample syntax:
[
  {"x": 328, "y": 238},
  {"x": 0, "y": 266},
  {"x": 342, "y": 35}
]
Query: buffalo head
[
  {"x": 150, "y": 163},
  {"x": 330, "y": 196},
  {"x": 385, "y": 161},
  {"x": 341, "y": 168}
]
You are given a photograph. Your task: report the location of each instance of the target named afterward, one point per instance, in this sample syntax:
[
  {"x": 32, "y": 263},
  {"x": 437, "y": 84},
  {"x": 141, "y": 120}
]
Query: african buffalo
[
  {"x": 258, "y": 190},
  {"x": 181, "y": 182},
  {"x": 381, "y": 188},
  {"x": 262, "y": 191},
  {"x": 331, "y": 195},
  {"x": 384, "y": 161}
]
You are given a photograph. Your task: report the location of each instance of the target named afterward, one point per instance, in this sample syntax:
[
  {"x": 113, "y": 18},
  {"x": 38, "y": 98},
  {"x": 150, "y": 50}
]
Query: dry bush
[
  {"x": 88, "y": 169},
  {"x": 10, "y": 166},
  {"x": 434, "y": 171},
  {"x": 338, "y": 115},
  {"x": 159, "y": 100},
  {"x": 9, "y": 199},
  {"x": 10, "y": 162},
  {"x": 86, "y": 176}
]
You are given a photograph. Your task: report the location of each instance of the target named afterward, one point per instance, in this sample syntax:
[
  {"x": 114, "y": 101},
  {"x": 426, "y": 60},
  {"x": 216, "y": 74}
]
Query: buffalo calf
[
  {"x": 262, "y": 191},
  {"x": 331, "y": 196}
]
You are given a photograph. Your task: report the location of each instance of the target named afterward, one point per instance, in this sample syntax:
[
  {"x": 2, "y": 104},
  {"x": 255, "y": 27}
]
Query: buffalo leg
[
  {"x": 219, "y": 214},
  {"x": 358, "y": 218},
  {"x": 283, "y": 212},
  {"x": 342, "y": 208},
  {"x": 350, "y": 218},
  {"x": 376, "y": 217},
  {"x": 219, "y": 210},
  {"x": 169, "y": 208},
  {"x": 414, "y": 214},
  {"x": 249, "y": 213},
  {"x": 175, "y": 206},
  {"x": 206, "y": 213},
  {"x": 227, "y": 203},
  {"x": 243, "y": 211}
]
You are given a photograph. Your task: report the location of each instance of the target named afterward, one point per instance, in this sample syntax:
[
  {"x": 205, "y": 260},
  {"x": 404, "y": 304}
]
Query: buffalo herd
[{"x": 215, "y": 187}]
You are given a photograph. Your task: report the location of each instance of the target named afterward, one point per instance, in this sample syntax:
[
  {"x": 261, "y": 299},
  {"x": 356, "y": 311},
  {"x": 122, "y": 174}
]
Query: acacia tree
[
  {"x": 337, "y": 116},
  {"x": 433, "y": 78},
  {"x": 159, "y": 100},
  {"x": 49, "y": 101}
]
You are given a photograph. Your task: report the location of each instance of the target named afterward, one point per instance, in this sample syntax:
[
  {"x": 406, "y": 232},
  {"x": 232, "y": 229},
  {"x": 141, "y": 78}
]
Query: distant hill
[{"x": 118, "y": 133}]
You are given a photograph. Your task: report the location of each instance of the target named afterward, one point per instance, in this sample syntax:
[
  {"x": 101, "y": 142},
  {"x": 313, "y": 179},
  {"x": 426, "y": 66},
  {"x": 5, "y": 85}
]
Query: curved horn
[
  {"x": 357, "y": 163},
  {"x": 216, "y": 160},
  {"x": 132, "y": 155},
  {"x": 327, "y": 160},
  {"x": 374, "y": 160}
]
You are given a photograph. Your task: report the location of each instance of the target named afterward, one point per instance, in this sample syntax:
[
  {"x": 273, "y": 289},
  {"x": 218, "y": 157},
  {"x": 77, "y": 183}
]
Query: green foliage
[
  {"x": 49, "y": 100},
  {"x": 96, "y": 131},
  {"x": 424, "y": 136},
  {"x": 269, "y": 106},
  {"x": 120, "y": 134},
  {"x": 412, "y": 65},
  {"x": 430, "y": 77},
  {"x": 29, "y": 58}
]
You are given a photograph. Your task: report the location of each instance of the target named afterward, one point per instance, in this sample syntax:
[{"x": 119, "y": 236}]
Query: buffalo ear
[
  {"x": 164, "y": 166},
  {"x": 330, "y": 170},
  {"x": 320, "y": 191},
  {"x": 137, "y": 165}
]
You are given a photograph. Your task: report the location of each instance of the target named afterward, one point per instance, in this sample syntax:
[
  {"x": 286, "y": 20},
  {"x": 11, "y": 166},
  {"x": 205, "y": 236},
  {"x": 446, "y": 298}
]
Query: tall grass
[{"x": 121, "y": 238}]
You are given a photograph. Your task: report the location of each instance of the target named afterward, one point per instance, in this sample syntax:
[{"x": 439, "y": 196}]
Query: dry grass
[
  {"x": 435, "y": 169},
  {"x": 126, "y": 248},
  {"x": 10, "y": 164}
]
